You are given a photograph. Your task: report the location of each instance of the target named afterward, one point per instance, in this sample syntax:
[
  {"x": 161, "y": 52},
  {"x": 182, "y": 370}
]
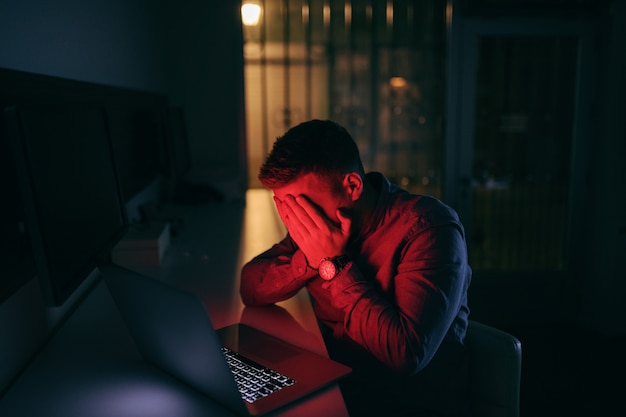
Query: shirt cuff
[
  {"x": 299, "y": 265},
  {"x": 344, "y": 279}
]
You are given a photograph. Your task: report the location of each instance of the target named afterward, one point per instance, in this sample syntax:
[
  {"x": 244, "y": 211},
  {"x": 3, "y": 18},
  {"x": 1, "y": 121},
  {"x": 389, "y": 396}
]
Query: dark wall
[
  {"x": 205, "y": 74},
  {"x": 190, "y": 50},
  {"x": 604, "y": 283},
  {"x": 113, "y": 42}
]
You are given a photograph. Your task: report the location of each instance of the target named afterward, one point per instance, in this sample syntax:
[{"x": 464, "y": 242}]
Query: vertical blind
[{"x": 376, "y": 67}]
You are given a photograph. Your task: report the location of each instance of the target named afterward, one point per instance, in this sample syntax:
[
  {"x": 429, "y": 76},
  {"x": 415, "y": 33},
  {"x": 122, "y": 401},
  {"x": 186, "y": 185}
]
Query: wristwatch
[{"x": 330, "y": 267}]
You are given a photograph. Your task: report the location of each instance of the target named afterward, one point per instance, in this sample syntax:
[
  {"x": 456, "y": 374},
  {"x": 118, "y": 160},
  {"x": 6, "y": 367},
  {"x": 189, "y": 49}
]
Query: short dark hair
[{"x": 322, "y": 147}]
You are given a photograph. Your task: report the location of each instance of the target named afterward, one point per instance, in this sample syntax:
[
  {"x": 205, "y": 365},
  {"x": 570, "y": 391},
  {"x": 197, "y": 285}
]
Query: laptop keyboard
[{"x": 254, "y": 380}]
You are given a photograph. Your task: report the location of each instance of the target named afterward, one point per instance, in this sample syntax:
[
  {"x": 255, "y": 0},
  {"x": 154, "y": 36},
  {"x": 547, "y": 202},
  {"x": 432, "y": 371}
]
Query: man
[{"x": 387, "y": 272}]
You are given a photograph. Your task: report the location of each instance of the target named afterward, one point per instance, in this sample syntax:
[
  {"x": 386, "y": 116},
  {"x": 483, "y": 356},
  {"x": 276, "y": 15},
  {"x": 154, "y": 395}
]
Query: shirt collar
[{"x": 384, "y": 188}]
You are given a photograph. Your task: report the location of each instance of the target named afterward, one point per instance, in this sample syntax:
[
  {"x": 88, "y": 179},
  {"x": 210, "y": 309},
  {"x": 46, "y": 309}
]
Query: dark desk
[{"x": 92, "y": 368}]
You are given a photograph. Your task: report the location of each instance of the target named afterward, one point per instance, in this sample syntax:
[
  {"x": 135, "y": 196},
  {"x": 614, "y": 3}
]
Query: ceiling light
[{"x": 250, "y": 14}]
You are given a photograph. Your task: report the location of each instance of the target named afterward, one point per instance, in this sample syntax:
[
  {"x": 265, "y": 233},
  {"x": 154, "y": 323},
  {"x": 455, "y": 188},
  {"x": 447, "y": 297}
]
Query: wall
[
  {"x": 186, "y": 49},
  {"x": 104, "y": 41},
  {"x": 602, "y": 305},
  {"x": 205, "y": 73}
]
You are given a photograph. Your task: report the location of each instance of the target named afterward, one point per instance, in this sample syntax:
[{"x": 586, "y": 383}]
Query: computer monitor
[
  {"x": 71, "y": 197},
  {"x": 183, "y": 190},
  {"x": 177, "y": 144},
  {"x": 137, "y": 135},
  {"x": 17, "y": 264}
]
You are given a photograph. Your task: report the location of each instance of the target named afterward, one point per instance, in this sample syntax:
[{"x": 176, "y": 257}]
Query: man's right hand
[{"x": 315, "y": 234}]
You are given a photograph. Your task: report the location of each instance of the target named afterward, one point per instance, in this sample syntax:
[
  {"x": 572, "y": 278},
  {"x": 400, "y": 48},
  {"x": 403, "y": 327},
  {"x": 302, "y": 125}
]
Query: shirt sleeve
[
  {"x": 275, "y": 275},
  {"x": 404, "y": 332}
]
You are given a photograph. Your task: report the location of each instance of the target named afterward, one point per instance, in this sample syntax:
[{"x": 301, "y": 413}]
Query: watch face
[{"x": 327, "y": 269}]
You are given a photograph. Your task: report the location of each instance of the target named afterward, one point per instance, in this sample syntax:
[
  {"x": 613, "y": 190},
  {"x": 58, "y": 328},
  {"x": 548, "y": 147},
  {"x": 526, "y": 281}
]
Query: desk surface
[{"x": 92, "y": 367}]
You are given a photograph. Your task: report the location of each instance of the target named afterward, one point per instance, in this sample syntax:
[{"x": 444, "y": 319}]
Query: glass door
[{"x": 516, "y": 141}]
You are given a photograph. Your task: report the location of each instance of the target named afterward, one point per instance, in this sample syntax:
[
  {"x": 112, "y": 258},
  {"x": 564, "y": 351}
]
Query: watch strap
[{"x": 341, "y": 261}]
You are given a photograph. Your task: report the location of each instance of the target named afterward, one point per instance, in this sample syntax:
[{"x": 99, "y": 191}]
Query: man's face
[{"x": 318, "y": 192}]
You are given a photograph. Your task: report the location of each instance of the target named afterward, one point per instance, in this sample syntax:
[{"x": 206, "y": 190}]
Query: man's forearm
[{"x": 275, "y": 275}]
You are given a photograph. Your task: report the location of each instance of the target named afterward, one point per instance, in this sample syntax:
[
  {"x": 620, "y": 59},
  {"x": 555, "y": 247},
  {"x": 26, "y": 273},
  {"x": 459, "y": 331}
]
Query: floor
[{"x": 569, "y": 371}]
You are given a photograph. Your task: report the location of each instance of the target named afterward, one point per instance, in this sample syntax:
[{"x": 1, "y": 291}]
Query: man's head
[
  {"x": 320, "y": 161},
  {"x": 319, "y": 147}
]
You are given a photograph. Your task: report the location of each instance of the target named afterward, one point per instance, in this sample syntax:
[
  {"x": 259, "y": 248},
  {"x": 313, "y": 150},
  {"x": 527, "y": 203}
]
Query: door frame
[{"x": 463, "y": 37}]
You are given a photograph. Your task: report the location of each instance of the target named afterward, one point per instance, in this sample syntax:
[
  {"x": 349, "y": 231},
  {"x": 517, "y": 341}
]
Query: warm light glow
[
  {"x": 389, "y": 13},
  {"x": 326, "y": 13},
  {"x": 250, "y": 14},
  {"x": 397, "y": 82},
  {"x": 347, "y": 12},
  {"x": 449, "y": 15},
  {"x": 305, "y": 14}
]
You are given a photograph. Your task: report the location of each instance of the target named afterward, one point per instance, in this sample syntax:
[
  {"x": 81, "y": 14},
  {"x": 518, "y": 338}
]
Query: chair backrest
[{"x": 495, "y": 360}]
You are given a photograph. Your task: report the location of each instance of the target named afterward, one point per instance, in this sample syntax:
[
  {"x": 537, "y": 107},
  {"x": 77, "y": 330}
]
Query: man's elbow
[
  {"x": 246, "y": 299},
  {"x": 407, "y": 367},
  {"x": 247, "y": 287},
  {"x": 249, "y": 298},
  {"x": 407, "y": 363}
]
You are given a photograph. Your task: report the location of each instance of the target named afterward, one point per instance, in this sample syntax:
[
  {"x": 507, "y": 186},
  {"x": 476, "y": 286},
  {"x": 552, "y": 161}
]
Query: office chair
[{"x": 495, "y": 371}]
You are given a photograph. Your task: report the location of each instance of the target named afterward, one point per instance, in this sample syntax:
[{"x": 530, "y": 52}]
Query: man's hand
[{"x": 315, "y": 234}]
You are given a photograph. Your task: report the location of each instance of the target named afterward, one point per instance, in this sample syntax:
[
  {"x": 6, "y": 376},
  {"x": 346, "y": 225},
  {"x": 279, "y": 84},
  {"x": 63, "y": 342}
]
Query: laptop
[{"x": 173, "y": 331}]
